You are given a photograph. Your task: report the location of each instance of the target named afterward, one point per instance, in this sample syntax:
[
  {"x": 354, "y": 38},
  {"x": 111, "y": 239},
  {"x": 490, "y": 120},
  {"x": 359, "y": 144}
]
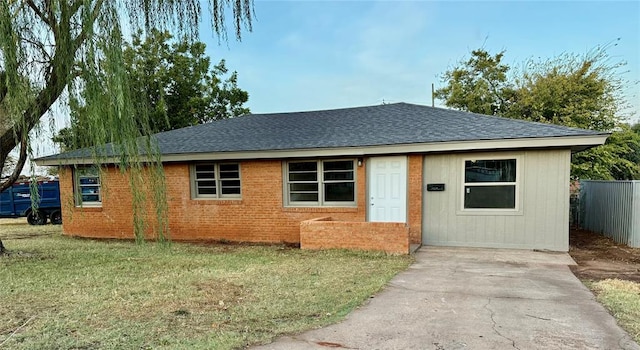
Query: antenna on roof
[{"x": 433, "y": 96}]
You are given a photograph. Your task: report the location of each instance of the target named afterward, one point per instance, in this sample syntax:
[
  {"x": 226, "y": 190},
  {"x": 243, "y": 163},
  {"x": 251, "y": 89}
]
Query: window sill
[
  {"x": 88, "y": 208},
  {"x": 217, "y": 201},
  {"x": 490, "y": 212}
]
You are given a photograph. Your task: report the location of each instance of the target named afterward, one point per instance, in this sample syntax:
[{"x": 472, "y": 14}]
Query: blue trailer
[{"x": 15, "y": 202}]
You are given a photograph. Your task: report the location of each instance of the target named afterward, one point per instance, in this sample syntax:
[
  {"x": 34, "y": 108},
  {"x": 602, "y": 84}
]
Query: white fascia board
[
  {"x": 573, "y": 142},
  {"x": 564, "y": 142},
  {"x": 72, "y": 161}
]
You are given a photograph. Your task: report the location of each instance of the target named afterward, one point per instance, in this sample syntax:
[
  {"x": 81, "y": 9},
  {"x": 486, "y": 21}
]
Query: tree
[
  {"x": 478, "y": 85},
  {"x": 52, "y": 49},
  {"x": 179, "y": 84},
  {"x": 176, "y": 86},
  {"x": 569, "y": 90},
  {"x": 630, "y": 136},
  {"x": 618, "y": 158}
]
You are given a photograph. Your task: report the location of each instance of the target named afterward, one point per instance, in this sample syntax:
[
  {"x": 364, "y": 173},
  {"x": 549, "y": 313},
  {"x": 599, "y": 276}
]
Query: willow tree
[{"x": 52, "y": 51}]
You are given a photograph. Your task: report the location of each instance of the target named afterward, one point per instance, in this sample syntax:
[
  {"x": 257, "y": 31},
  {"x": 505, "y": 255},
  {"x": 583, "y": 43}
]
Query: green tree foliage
[
  {"x": 180, "y": 73},
  {"x": 581, "y": 92},
  {"x": 479, "y": 84},
  {"x": 617, "y": 159},
  {"x": 174, "y": 86},
  {"x": 54, "y": 49},
  {"x": 570, "y": 90},
  {"x": 631, "y": 136}
]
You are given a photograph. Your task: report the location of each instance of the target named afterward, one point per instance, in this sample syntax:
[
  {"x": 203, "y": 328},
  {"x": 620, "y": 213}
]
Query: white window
[
  {"x": 320, "y": 183},
  {"x": 86, "y": 186},
  {"x": 216, "y": 180},
  {"x": 490, "y": 184}
]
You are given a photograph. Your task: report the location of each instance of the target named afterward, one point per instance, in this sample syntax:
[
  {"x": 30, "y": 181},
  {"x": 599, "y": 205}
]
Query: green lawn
[
  {"x": 61, "y": 292},
  {"x": 622, "y": 299}
]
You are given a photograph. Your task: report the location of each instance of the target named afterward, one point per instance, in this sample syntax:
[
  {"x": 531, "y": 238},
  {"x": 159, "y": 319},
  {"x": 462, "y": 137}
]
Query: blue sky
[{"x": 305, "y": 55}]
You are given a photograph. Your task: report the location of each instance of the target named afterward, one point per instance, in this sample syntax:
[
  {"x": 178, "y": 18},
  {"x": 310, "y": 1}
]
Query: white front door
[{"x": 388, "y": 189}]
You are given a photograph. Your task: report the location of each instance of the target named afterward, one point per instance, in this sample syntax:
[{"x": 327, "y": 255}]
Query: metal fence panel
[
  {"x": 612, "y": 208},
  {"x": 634, "y": 240}
]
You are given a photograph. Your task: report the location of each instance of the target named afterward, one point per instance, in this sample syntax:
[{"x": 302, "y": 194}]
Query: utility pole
[{"x": 433, "y": 96}]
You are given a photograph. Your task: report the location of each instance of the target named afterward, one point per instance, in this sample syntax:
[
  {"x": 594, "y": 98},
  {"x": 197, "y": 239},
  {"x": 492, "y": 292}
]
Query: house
[{"x": 384, "y": 177}]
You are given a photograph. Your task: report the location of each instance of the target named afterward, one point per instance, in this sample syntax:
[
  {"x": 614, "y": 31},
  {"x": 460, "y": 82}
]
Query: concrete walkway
[{"x": 464, "y": 298}]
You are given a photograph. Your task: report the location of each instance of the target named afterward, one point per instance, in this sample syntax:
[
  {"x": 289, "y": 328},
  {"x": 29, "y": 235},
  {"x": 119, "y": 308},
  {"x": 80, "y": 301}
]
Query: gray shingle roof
[{"x": 391, "y": 124}]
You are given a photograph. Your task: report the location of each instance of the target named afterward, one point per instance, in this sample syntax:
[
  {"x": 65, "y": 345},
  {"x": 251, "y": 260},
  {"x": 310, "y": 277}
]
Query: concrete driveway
[{"x": 464, "y": 298}]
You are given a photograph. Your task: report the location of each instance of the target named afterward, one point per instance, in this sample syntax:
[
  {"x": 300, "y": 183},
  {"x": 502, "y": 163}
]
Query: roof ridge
[{"x": 327, "y": 110}]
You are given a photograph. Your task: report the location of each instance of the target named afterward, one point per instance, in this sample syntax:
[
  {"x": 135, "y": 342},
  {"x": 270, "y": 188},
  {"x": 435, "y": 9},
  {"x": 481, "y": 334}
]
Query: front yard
[{"x": 61, "y": 292}]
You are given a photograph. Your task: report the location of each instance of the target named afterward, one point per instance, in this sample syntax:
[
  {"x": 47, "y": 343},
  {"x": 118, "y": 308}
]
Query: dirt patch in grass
[{"x": 599, "y": 257}]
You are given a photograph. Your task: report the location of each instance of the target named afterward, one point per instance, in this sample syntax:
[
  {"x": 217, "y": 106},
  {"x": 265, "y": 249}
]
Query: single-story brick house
[{"x": 383, "y": 177}]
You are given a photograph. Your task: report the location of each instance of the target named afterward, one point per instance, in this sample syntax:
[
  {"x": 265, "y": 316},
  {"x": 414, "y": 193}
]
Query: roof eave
[{"x": 575, "y": 143}]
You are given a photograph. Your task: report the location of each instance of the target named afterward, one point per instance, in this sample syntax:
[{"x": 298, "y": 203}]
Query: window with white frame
[
  {"x": 320, "y": 183},
  {"x": 86, "y": 185},
  {"x": 216, "y": 180},
  {"x": 490, "y": 184}
]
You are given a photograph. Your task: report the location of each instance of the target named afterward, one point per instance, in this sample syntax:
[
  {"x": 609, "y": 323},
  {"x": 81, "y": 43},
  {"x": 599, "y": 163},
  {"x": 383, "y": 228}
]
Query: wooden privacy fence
[{"x": 611, "y": 208}]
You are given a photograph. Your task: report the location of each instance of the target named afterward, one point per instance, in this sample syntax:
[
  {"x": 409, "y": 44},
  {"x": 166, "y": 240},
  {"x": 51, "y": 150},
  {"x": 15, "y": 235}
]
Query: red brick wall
[
  {"x": 325, "y": 233},
  {"x": 259, "y": 216},
  {"x": 113, "y": 220},
  {"x": 414, "y": 193}
]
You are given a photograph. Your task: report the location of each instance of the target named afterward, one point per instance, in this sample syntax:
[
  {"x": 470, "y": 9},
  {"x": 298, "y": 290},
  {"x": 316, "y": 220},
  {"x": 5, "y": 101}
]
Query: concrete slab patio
[{"x": 466, "y": 298}]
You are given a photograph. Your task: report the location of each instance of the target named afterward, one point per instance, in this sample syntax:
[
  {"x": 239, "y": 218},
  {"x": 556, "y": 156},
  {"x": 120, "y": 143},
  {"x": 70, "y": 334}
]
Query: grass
[
  {"x": 622, "y": 299},
  {"x": 61, "y": 292}
]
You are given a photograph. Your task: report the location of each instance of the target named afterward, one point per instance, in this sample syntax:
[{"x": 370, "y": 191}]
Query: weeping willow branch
[
  {"x": 29, "y": 120},
  {"x": 39, "y": 13},
  {"x": 55, "y": 48}
]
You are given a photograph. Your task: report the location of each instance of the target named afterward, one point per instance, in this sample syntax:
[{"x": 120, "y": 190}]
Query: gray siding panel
[
  {"x": 542, "y": 221},
  {"x": 613, "y": 209}
]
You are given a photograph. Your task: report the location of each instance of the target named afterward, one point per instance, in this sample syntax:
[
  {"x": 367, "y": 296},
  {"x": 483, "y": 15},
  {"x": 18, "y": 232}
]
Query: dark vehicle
[{"x": 15, "y": 202}]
